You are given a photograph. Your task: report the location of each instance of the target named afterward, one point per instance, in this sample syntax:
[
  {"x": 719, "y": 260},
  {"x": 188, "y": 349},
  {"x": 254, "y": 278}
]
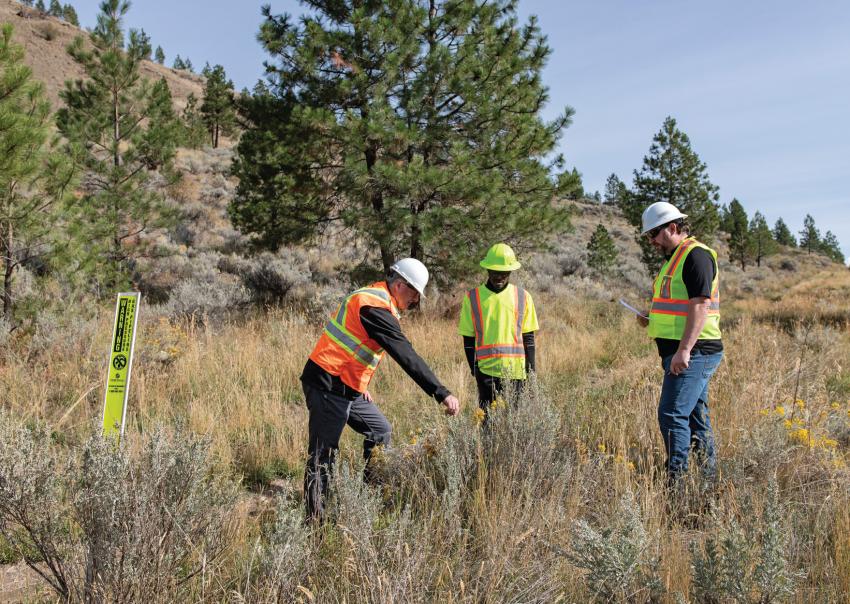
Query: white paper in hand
[{"x": 633, "y": 309}]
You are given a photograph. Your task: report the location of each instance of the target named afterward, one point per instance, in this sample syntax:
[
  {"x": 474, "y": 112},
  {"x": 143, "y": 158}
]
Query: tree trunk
[{"x": 9, "y": 267}]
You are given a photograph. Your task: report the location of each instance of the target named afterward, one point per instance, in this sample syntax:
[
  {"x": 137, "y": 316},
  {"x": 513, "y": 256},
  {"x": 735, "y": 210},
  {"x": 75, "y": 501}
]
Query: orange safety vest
[{"x": 344, "y": 348}]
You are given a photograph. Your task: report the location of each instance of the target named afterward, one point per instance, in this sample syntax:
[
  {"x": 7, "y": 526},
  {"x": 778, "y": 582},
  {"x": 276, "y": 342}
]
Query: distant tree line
[
  {"x": 673, "y": 172},
  {"x": 65, "y": 12}
]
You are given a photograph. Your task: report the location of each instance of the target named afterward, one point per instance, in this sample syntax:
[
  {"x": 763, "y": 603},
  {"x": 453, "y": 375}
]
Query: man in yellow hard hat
[
  {"x": 497, "y": 322},
  {"x": 684, "y": 320}
]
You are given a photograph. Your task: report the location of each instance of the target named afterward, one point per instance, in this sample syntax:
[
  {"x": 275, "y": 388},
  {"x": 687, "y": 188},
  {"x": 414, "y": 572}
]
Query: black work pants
[
  {"x": 329, "y": 413},
  {"x": 490, "y": 387}
]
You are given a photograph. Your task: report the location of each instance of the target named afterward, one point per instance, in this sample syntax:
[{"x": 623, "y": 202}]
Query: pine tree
[
  {"x": 831, "y": 247},
  {"x": 569, "y": 184},
  {"x": 218, "y": 107},
  {"x": 159, "y": 55},
  {"x": 761, "y": 238},
  {"x": 673, "y": 172},
  {"x": 128, "y": 129},
  {"x": 810, "y": 235},
  {"x": 411, "y": 123},
  {"x": 34, "y": 178},
  {"x": 178, "y": 63},
  {"x": 740, "y": 242},
  {"x": 601, "y": 251},
  {"x": 194, "y": 130},
  {"x": 70, "y": 15},
  {"x": 143, "y": 41},
  {"x": 39, "y": 5},
  {"x": 187, "y": 65},
  {"x": 782, "y": 234},
  {"x": 615, "y": 190},
  {"x": 55, "y": 9}
]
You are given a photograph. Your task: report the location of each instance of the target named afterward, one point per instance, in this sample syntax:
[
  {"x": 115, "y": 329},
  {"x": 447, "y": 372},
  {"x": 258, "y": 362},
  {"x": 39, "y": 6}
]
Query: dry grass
[{"x": 469, "y": 521}]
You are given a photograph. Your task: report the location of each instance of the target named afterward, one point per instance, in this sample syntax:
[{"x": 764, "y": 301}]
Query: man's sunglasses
[{"x": 653, "y": 233}]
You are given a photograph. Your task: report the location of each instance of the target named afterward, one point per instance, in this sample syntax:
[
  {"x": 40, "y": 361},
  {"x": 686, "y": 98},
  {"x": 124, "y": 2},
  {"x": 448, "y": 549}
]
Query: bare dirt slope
[{"x": 45, "y": 39}]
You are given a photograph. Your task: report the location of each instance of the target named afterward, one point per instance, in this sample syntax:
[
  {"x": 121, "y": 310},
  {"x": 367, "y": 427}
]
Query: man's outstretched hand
[{"x": 451, "y": 404}]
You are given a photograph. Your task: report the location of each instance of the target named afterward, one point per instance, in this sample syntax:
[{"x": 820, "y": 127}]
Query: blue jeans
[{"x": 683, "y": 415}]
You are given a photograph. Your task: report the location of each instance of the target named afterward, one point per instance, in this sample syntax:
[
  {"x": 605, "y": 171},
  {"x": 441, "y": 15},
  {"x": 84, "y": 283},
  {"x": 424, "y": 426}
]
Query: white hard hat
[
  {"x": 412, "y": 271},
  {"x": 659, "y": 213}
]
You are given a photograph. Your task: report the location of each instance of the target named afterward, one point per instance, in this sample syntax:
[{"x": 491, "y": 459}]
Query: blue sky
[{"x": 761, "y": 88}]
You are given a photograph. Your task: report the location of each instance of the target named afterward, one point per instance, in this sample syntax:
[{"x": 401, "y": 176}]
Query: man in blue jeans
[{"x": 684, "y": 320}]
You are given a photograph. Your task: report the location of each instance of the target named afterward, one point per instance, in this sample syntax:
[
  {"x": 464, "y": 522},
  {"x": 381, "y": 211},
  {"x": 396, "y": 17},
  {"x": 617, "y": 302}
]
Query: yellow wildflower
[
  {"x": 764, "y": 412},
  {"x": 827, "y": 443},
  {"x": 631, "y": 466},
  {"x": 780, "y": 410},
  {"x": 835, "y": 406},
  {"x": 801, "y": 436},
  {"x": 601, "y": 447},
  {"x": 478, "y": 416},
  {"x": 801, "y": 404},
  {"x": 787, "y": 423},
  {"x": 499, "y": 403}
]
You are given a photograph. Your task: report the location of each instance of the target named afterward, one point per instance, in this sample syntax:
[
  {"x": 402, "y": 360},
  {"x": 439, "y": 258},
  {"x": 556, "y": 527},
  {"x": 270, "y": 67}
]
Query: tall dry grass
[{"x": 563, "y": 499}]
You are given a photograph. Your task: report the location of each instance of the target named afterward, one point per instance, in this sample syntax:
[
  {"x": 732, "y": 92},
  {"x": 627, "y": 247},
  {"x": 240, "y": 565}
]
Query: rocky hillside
[{"x": 45, "y": 38}]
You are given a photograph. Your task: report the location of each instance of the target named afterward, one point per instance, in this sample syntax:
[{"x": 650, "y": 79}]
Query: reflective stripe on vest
[
  {"x": 345, "y": 348},
  {"x": 497, "y": 349},
  {"x": 668, "y": 314}
]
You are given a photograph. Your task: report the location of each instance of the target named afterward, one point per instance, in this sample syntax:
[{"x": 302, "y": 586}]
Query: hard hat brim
[{"x": 499, "y": 267}]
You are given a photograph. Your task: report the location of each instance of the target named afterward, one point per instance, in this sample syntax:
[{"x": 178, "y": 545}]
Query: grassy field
[{"x": 563, "y": 500}]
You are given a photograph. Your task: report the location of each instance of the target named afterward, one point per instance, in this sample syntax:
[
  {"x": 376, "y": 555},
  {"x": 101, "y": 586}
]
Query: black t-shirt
[
  {"x": 384, "y": 328},
  {"x": 697, "y": 273}
]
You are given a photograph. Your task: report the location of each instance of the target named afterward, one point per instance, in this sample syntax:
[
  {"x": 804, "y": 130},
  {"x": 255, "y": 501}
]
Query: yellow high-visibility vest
[
  {"x": 497, "y": 321},
  {"x": 669, "y": 311}
]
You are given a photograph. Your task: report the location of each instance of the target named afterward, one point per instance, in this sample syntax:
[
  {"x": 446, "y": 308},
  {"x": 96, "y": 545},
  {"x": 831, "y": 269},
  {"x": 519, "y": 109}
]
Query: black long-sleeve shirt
[{"x": 385, "y": 329}]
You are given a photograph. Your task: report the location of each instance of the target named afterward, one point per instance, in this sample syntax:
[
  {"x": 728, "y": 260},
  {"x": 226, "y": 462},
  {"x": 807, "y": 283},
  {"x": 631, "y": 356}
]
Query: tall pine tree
[
  {"x": 740, "y": 242},
  {"x": 810, "y": 235},
  {"x": 128, "y": 129},
  {"x": 35, "y": 179},
  {"x": 673, "y": 172},
  {"x": 159, "y": 55},
  {"x": 782, "y": 234},
  {"x": 417, "y": 124},
  {"x": 218, "y": 108},
  {"x": 761, "y": 238},
  {"x": 55, "y": 9}
]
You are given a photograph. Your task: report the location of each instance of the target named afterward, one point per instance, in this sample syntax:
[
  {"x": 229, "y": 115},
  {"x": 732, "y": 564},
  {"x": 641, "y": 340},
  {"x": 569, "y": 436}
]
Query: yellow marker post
[{"x": 120, "y": 363}]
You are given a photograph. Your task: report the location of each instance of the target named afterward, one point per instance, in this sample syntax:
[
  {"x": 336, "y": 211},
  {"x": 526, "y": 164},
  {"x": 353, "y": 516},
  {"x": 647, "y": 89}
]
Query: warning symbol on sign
[{"x": 119, "y": 362}]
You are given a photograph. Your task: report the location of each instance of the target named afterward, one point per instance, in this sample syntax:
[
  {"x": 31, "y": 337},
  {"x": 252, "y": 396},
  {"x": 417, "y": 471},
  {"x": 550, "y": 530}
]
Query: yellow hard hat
[{"x": 500, "y": 257}]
